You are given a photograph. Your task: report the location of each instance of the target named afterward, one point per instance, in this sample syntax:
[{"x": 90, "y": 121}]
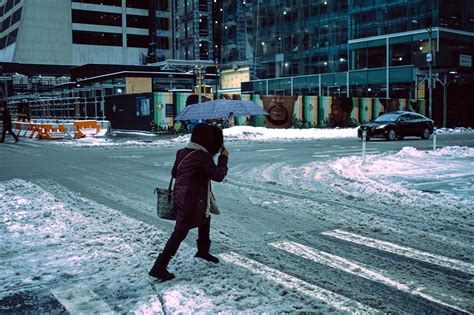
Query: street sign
[
  {"x": 465, "y": 60},
  {"x": 169, "y": 111},
  {"x": 429, "y": 57}
]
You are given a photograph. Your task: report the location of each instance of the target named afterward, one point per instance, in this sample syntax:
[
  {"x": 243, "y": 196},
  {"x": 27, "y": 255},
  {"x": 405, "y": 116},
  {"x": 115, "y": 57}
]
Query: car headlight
[{"x": 381, "y": 127}]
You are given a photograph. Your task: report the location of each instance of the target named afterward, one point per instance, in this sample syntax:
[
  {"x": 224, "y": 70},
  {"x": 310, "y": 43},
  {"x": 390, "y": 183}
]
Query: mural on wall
[
  {"x": 340, "y": 112},
  {"x": 162, "y": 101},
  {"x": 311, "y": 110},
  {"x": 280, "y": 108}
]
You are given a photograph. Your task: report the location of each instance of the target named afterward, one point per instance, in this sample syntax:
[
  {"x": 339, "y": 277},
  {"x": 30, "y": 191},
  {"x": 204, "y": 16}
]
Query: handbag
[
  {"x": 164, "y": 203},
  {"x": 164, "y": 199},
  {"x": 213, "y": 208}
]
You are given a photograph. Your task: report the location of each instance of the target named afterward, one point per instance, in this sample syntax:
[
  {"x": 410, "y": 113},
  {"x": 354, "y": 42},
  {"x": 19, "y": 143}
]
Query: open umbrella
[{"x": 221, "y": 109}]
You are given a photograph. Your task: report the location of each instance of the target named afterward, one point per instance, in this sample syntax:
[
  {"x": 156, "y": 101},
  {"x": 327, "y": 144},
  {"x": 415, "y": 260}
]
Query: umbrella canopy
[{"x": 221, "y": 109}]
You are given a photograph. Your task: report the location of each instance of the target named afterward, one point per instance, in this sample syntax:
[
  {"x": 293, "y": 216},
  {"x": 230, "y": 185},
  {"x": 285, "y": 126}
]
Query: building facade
[
  {"x": 77, "y": 32},
  {"x": 353, "y": 48}
]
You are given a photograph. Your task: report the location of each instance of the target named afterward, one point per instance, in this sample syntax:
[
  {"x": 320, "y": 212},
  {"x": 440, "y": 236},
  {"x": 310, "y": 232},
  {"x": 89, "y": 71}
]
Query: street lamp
[{"x": 429, "y": 60}]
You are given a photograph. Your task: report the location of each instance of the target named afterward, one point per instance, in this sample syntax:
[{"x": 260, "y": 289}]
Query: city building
[
  {"x": 77, "y": 32},
  {"x": 358, "y": 49}
]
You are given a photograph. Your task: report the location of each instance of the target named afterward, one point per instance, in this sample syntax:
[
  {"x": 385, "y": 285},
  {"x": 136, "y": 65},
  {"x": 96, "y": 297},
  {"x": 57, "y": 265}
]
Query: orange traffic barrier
[
  {"x": 86, "y": 128},
  {"x": 50, "y": 132}
]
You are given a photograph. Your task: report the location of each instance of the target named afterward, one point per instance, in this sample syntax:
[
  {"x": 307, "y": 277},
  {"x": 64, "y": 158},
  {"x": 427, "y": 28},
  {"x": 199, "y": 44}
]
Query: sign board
[
  {"x": 429, "y": 57},
  {"x": 465, "y": 60},
  {"x": 169, "y": 111}
]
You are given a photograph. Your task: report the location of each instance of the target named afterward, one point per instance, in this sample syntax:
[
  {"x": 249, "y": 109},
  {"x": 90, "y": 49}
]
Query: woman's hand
[{"x": 224, "y": 151}]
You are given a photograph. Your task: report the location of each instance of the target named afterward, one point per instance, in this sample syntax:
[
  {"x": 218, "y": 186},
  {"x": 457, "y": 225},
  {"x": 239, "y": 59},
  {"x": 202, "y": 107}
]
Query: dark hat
[{"x": 208, "y": 136}]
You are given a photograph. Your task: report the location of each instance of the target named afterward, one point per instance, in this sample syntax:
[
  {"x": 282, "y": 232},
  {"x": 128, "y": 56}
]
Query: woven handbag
[
  {"x": 213, "y": 205},
  {"x": 164, "y": 203},
  {"x": 164, "y": 198}
]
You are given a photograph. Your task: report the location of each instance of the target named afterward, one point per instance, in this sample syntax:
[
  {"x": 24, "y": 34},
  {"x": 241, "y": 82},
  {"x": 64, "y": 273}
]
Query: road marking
[
  {"x": 271, "y": 150},
  {"x": 79, "y": 299},
  {"x": 351, "y": 267},
  {"x": 403, "y": 251},
  {"x": 321, "y": 155},
  {"x": 357, "y": 153},
  {"x": 126, "y": 157},
  {"x": 339, "y": 302},
  {"x": 344, "y": 151}
]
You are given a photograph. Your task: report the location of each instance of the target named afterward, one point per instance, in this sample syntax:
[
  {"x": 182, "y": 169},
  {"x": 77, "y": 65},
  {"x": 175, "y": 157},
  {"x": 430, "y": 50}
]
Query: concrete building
[{"x": 77, "y": 32}]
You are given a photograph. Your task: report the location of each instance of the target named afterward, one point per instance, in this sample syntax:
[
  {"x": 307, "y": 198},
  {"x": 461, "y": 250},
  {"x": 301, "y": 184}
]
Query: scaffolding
[{"x": 78, "y": 104}]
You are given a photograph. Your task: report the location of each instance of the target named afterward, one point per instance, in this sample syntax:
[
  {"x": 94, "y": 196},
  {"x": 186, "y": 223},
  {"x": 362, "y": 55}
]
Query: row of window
[
  {"x": 136, "y": 4},
  {"x": 8, "y": 6},
  {"x": 115, "y": 39},
  {"x": 115, "y": 19},
  {"x": 10, "y": 20}
]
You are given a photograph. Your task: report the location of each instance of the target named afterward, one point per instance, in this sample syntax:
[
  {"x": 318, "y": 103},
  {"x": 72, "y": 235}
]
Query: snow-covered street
[{"x": 315, "y": 230}]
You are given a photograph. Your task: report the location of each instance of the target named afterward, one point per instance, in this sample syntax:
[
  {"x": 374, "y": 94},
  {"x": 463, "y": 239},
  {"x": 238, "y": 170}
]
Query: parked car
[{"x": 397, "y": 125}]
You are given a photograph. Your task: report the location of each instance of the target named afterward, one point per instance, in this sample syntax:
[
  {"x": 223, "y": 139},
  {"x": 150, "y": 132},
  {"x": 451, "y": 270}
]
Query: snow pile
[
  {"x": 454, "y": 130},
  {"x": 261, "y": 133},
  {"x": 397, "y": 174}
]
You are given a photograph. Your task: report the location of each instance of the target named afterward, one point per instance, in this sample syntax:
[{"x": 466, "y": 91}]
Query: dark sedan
[{"x": 397, "y": 125}]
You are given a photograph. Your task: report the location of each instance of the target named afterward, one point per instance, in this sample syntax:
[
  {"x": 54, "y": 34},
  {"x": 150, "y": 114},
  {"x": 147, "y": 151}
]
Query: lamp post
[{"x": 429, "y": 60}]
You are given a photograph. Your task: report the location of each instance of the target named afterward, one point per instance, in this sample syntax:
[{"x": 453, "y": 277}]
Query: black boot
[
  {"x": 159, "y": 268},
  {"x": 203, "y": 251}
]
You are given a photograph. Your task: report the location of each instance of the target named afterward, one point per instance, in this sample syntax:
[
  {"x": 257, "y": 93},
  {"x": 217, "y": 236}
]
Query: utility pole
[{"x": 429, "y": 59}]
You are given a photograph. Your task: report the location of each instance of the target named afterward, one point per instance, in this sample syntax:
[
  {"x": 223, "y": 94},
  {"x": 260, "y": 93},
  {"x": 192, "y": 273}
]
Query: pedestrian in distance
[
  {"x": 7, "y": 122},
  {"x": 193, "y": 170}
]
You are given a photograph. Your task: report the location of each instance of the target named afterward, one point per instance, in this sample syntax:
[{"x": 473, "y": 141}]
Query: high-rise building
[
  {"x": 351, "y": 48},
  {"x": 77, "y": 32}
]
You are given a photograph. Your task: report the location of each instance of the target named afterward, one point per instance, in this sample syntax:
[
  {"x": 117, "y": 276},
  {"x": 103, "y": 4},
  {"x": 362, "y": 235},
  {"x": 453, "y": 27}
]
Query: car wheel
[
  {"x": 426, "y": 134},
  {"x": 391, "y": 135}
]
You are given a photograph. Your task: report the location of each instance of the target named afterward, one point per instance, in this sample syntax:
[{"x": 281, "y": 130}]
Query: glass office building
[{"x": 352, "y": 48}]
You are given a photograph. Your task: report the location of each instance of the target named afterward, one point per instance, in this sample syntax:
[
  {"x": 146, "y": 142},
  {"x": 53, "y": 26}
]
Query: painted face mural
[
  {"x": 280, "y": 108},
  {"x": 341, "y": 108}
]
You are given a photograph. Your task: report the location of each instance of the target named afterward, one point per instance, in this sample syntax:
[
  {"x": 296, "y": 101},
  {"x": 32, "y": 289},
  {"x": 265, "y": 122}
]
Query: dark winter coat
[
  {"x": 7, "y": 119},
  {"x": 192, "y": 185}
]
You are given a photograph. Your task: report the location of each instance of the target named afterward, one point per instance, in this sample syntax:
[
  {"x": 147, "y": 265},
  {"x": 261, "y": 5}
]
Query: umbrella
[{"x": 221, "y": 109}]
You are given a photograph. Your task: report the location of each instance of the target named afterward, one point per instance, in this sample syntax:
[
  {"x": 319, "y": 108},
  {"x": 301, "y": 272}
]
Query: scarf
[{"x": 196, "y": 146}]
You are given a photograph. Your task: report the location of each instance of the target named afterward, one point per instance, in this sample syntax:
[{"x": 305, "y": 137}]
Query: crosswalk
[
  {"x": 338, "y": 301},
  {"x": 414, "y": 288},
  {"x": 403, "y": 251}
]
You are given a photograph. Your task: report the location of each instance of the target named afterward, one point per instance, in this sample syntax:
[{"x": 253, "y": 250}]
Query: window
[
  {"x": 137, "y": 21},
  {"x": 3, "y": 42},
  {"x": 16, "y": 16},
  {"x": 162, "y": 43},
  {"x": 97, "y": 18},
  {"x": 143, "y": 106},
  {"x": 137, "y": 41},
  {"x": 5, "y": 24},
  {"x": 163, "y": 24},
  {"x": 163, "y": 6},
  {"x": 12, "y": 37},
  {"x": 405, "y": 118},
  {"x": 376, "y": 54},
  {"x": 8, "y": 6},
  {"x": 401, "y": 51},
  {"x": 115, "y": 3},
  {"x": 137, "y": 4},
  {"x": 96, "y": 38}
]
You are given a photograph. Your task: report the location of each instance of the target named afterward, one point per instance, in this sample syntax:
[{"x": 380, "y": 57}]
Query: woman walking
[
  {"x": 7, "y": 122},
  {"x": 194, "y": 168}
]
